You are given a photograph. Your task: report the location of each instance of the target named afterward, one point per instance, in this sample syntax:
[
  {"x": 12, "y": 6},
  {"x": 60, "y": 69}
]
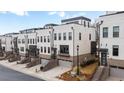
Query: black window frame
[
  {"x": 64, "y": 49},
  {"x": 115, "y": 50}
]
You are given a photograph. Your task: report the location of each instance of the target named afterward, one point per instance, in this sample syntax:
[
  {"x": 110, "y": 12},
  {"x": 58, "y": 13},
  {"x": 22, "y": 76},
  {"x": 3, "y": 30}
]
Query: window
[
  {"x": 55, "y": 36},
  {"x": 64, "y": 36},
  {"x": 59, "y": 36},
  {"x": 23, "y": 41},
  {"x": 48, "y": 38},
  {"x": 33, "y": 41},
  {"x": 89, "y": 36},
  {"x": 88, "y": 24},
  {"x": 22, "y": 49},
  {"x": 38, "y": 39},
  {"x": 64, "y": 49},
  {"x": 44, "y": 49},
  {"x": 79, "y": 36},
  {"x": 41, "y": 49},
  {"x": 115, "y": 31},
  {"x": 70, "y": 35},
  {"x": 44, "y": 38},
  {"x": 105, "y": 32},
  {"x": 115, "y": 50},
  {"x": 84, "y": 23},
  {"x": 41, "y": 39},
  {"x": 19, "y": 41},
  {"x": 30, "y": 41},
  {"x": 48, "y": 49}
]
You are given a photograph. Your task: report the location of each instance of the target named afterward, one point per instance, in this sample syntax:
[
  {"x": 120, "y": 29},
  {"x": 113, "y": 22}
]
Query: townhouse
[
  {"x": 7, "y": 43},
  {"x": 111, "y": 39},
  {"x": 62, "y": 40},
  {"x": 65, "y": 38}
]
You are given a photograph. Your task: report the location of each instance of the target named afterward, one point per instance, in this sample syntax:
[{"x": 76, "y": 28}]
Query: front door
[{"x": 104, "y": 58}]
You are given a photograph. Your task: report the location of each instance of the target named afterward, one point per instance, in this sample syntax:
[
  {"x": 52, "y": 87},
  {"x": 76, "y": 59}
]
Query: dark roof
[
  {"x": 76, "y": 18},
  {"x": 112, "y": 14},
  {"x": 30, "y": 29},
  {"x": 51, "y": 24}
]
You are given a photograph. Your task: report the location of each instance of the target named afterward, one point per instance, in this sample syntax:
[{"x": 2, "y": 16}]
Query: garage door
[{"x": 65, "y": 63}]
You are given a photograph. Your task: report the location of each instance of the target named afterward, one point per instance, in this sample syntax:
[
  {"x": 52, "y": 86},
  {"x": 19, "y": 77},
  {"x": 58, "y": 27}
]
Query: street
[{"x": 7, "y": 74}]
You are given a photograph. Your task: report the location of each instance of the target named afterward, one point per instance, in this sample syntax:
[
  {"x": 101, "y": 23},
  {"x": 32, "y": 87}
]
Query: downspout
[{"x": 98, "y": 29}]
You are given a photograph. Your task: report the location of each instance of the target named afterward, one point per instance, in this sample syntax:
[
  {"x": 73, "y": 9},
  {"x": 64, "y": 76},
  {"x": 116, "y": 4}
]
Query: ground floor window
[
  {"x": 22, "y": 49},
  {"x": 41, "y": 49},
  {"x": 64, "y": 49},
  {"x": 115, "y": 50},
  {"x": 48, "y": 49},
  {"x": 44, "y": 49}
]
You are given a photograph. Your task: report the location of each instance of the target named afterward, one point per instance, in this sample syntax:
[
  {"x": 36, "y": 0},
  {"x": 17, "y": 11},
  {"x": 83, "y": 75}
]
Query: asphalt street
[{"x": 7, "y": 74}]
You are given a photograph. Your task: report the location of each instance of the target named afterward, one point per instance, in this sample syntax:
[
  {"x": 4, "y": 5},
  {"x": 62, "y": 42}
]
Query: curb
[{"x": 28, "y": 73}]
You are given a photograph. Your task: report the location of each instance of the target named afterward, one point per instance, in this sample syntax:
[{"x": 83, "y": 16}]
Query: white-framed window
[
  {"x": 64, "y": 36},
  {"x": 70, "y": 36},
  {"x": 105, "y": 32},
  {"x": 80, "y": 36},
  {"x": 115, "y": 31},
  {"x": 59, "y": 36}
]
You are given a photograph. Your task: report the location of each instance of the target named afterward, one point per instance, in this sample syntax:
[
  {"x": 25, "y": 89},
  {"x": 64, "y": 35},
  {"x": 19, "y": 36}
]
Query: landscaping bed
[{"x": 86, "y": 73}]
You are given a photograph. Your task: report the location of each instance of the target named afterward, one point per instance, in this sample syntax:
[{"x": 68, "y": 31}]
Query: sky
[{"x": 14, "y": 21}]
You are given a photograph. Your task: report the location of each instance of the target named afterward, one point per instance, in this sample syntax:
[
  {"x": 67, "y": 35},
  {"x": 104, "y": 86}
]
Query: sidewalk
[{"x": 48, "y": 75}]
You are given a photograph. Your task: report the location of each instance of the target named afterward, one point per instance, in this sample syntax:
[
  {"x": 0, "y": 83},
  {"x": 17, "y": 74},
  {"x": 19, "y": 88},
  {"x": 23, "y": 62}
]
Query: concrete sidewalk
[{"x": 50, "y": 75}]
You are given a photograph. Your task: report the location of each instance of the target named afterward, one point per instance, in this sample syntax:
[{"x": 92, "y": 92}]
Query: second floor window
[
  {"x": 44, "y": 38},
  {"x": 33, "y": 41},
  {"x": 30, "y": 41},
  {"x": 19, "y": 41},
  {"x": 59, "y": 36},
  {"x": 41, "y": 49},
  {"x": 38, "y": 39},
  {"x": 55, "y": 36},
  {"x": 23, "y": 41},
  {"x": 105, "y": 32},
  {"x": 48, "y": 38},
  {"x": 41, "y": 39},
  {"x": 70, "y": 35},
  {"x": 79, "y": 36},
  {"x": 115, "y": 31},
  {"x": 64, "y": 36}
]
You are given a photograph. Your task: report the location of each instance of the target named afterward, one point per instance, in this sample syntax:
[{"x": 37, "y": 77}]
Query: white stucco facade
[{"x": 110, "y": 21}]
